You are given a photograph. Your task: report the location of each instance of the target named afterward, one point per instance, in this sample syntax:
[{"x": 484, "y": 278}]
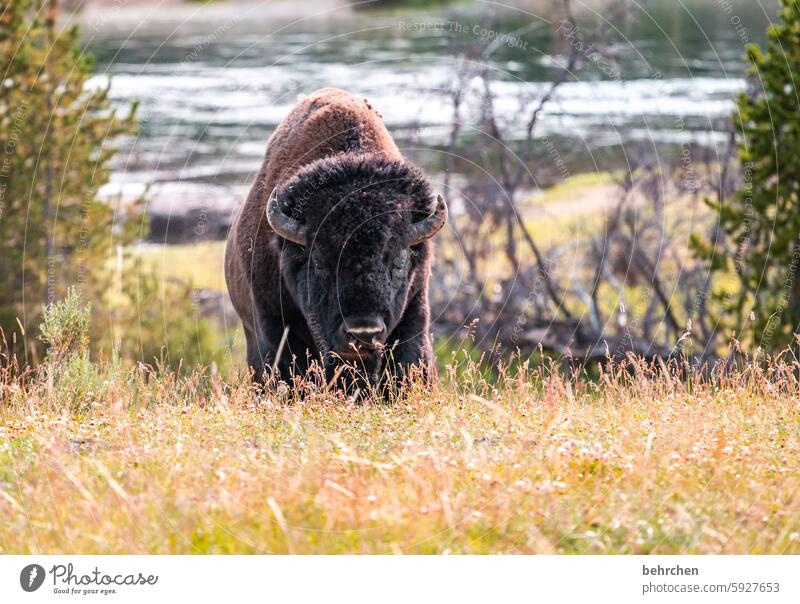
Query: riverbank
[{"x": 98, "y": 14}]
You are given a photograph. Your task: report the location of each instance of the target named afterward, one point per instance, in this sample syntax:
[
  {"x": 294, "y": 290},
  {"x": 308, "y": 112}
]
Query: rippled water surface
[{"x": 211, "y": 92}]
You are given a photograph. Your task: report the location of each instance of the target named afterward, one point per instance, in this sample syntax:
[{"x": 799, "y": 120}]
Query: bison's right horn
[
  {"x": 429, "y": 226},
  {"x": 286, "y": 226}
]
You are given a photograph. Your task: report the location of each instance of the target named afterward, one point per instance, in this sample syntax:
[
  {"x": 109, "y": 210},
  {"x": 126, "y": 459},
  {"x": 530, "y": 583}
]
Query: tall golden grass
[{"x": 95, "y": 458}]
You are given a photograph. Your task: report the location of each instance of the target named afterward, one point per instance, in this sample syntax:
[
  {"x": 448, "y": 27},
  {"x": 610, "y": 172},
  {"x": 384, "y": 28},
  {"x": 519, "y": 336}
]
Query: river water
[{"x": 210, "y": 92}]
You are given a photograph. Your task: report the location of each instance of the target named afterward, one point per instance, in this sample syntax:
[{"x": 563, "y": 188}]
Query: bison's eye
[{"x": 318, "y": 267}]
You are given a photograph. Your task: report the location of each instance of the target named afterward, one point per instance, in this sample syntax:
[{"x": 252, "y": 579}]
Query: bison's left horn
[
  {"x": 286, "y": 226},
  {"x": 428, "y": 227}
]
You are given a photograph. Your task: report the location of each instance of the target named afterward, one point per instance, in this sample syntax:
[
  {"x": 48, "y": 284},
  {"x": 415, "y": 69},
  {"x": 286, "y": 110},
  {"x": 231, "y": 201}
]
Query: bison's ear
[
  {"x": 285, "y": 226},
  {"x": 430, "y": 225}
]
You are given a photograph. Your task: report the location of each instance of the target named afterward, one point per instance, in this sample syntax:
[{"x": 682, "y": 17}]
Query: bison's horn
[
  {"x": 428, "y": 227},
  {"x": 286, "y": 226}
]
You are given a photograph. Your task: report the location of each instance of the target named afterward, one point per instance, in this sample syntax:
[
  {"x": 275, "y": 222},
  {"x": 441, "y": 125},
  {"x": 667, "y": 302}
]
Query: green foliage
[
  {"x": 762, "y": 221},
  {"x": 56, "y": 139},
  {"x": 65, "y": 327},
  {"x": 71, "y": 377},
  {"x": 148, "y": 321},
  {"x": 57, "y": 136}
]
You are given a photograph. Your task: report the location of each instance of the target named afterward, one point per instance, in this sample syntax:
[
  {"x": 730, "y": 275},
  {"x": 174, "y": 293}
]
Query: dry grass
[
  {"x": 200, "y": 264},
  {"x": 100, "y": 459}
]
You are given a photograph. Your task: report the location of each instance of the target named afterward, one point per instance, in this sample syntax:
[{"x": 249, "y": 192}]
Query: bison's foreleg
[
  {"x": 258, "y": 356},
  {"x": 409, "y": 345},
  {"x": 262, "y": 352}
]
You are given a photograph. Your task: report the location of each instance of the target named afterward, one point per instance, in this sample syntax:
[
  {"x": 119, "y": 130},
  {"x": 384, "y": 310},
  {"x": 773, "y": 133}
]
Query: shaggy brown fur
[
  {"x": 339, "y": 140},
  {"x": 327, "y": 122}
]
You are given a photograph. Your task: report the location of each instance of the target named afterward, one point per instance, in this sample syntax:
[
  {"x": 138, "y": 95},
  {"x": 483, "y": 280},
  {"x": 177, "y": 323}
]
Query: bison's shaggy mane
[{"x": 346, "y": 171}]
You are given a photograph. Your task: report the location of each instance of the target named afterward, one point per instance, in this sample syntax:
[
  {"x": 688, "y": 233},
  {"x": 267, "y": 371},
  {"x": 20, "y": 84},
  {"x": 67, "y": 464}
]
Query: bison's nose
[{"x": 365, "y": 331}]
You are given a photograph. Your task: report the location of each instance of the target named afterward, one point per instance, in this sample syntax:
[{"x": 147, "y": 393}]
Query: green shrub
[
  {"x": 65, "y": 327},
  {"x": 57, "y": 136},
  {"x": 759, "y": 245},
  {"x": 56, "y": 236}
]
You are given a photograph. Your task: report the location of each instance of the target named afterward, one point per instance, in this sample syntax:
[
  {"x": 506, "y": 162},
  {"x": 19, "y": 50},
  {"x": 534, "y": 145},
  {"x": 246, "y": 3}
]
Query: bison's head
[{"x": 354, "y": 249}]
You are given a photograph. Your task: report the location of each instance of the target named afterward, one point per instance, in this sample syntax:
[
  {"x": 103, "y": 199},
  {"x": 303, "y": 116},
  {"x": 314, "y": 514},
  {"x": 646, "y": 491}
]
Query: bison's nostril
[{"x": 369, "y": 331}]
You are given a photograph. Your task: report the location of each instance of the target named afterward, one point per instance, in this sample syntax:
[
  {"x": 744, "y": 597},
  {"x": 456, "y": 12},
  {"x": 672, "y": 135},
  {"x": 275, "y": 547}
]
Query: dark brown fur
[{"x": 330, "y": 135}]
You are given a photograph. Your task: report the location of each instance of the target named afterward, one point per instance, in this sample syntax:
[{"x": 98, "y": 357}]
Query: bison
[{"x": 329, "y": 257}]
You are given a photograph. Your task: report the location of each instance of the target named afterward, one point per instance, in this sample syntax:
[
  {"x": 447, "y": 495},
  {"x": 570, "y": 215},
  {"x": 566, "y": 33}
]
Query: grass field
[
  {"x": 108, "y": 457},
  {"x": 97, "y": 459}
]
